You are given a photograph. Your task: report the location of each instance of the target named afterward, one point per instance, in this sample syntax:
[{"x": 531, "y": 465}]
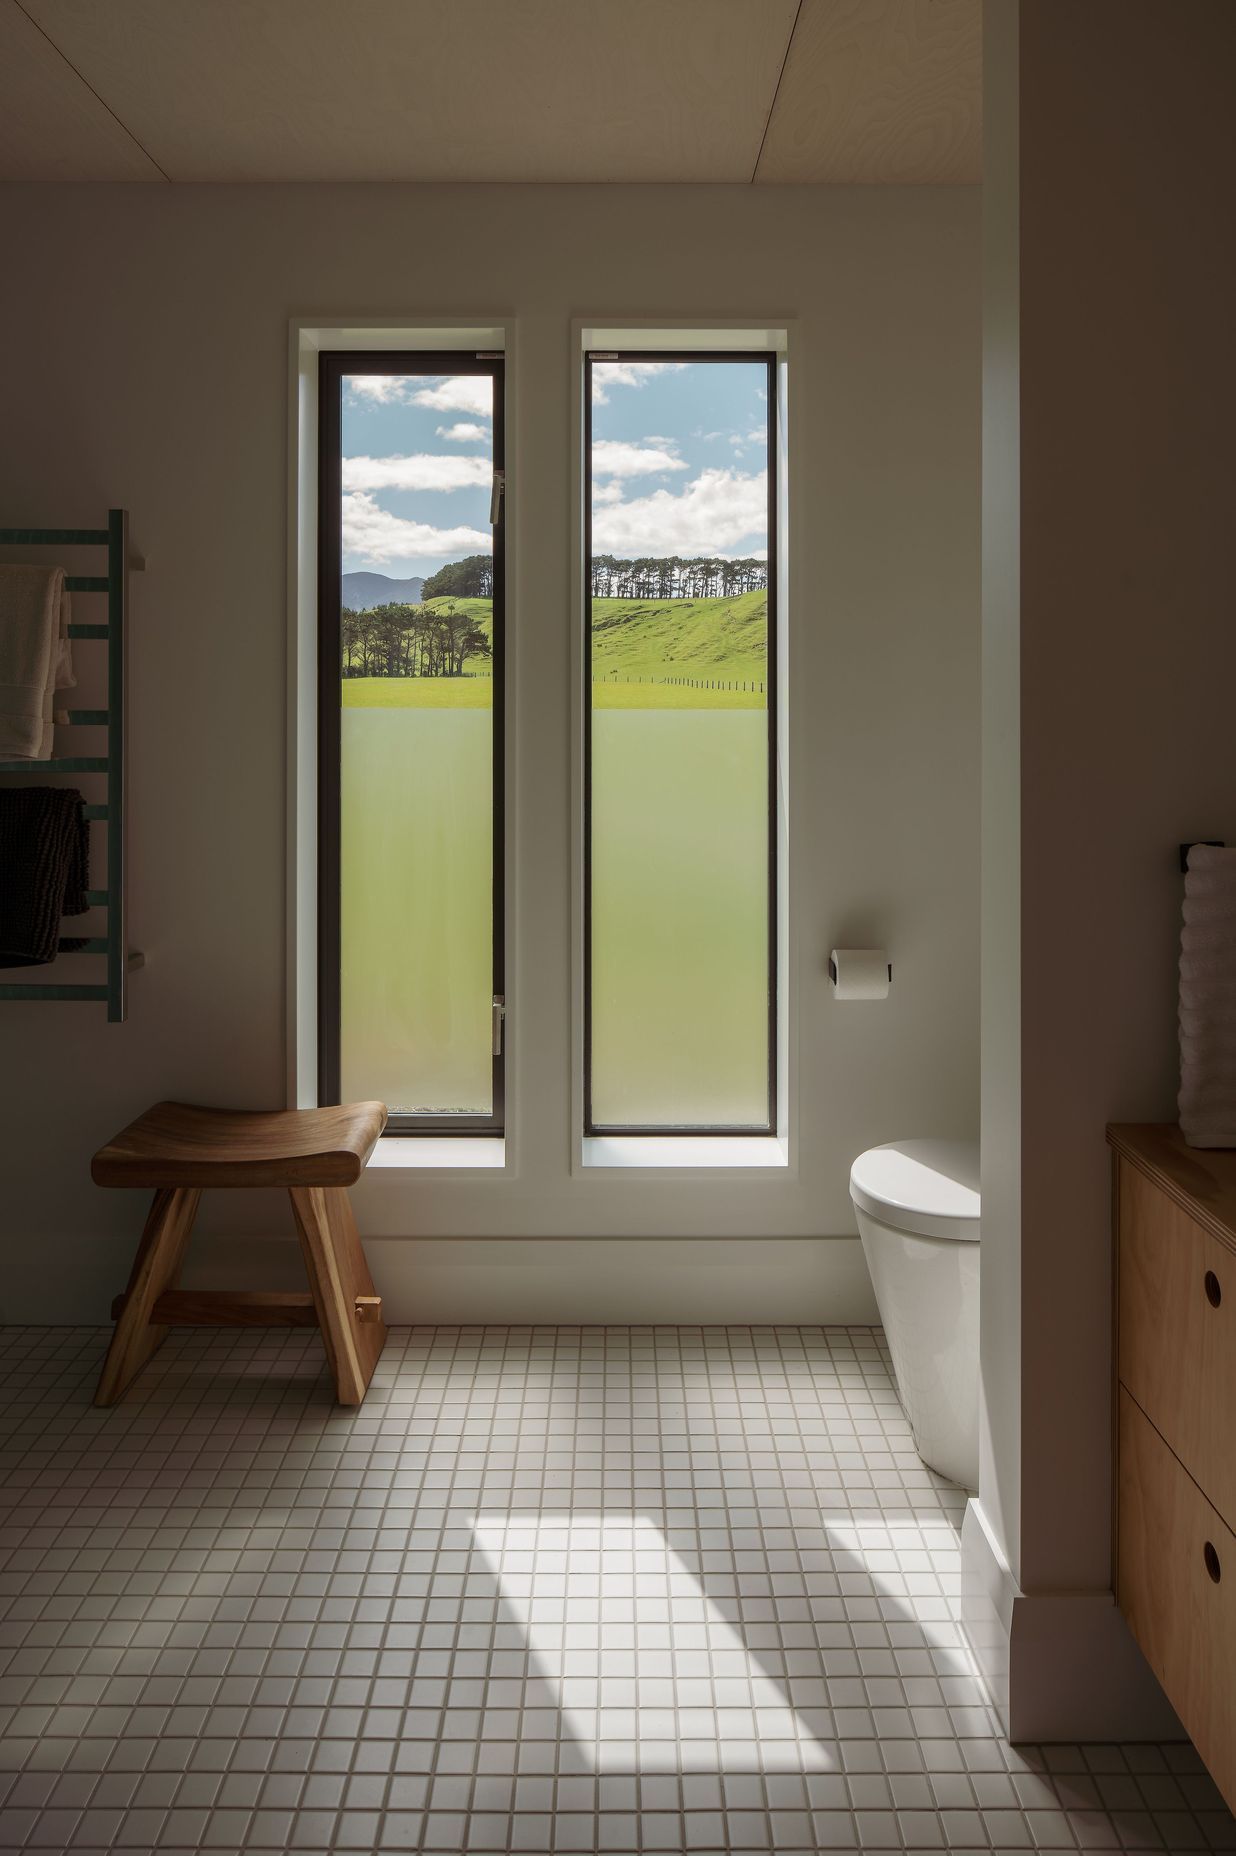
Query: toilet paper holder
[{"x": 832, "y": 970}]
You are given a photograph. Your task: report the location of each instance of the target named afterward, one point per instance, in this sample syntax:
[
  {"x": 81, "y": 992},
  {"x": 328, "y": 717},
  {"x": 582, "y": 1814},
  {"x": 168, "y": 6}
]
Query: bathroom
[{"x": 990, "y": 757}]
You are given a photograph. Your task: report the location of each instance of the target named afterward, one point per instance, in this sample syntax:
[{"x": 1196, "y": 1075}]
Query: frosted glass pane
[{"x": 417, "y": 938}]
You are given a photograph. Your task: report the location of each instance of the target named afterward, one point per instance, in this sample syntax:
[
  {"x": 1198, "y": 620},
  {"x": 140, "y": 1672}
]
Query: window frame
[
  {"x": 593, "y": 1129},
  {"x": 333, "y": 365}
]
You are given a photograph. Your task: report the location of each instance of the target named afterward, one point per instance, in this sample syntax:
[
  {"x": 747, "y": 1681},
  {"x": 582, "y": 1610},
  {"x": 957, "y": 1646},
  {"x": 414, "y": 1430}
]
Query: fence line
[{"x": 750, "y": 685}]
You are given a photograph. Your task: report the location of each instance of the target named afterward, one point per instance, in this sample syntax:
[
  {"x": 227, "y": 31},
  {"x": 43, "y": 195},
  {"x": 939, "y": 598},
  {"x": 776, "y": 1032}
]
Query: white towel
[
  {"x": 1208, "y": 999},
  {"x": 35, "y": 658}
]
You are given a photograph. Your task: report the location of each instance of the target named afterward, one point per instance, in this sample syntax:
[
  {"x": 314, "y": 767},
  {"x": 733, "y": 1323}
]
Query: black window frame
[
  {"x": 770, "y": 359},
  {"x": 333, "y": 365}
]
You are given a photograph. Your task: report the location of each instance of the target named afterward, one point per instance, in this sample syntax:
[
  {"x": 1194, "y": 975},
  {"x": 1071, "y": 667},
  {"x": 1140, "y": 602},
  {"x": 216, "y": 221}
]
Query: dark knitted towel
[{"x": 44, "y": 870}]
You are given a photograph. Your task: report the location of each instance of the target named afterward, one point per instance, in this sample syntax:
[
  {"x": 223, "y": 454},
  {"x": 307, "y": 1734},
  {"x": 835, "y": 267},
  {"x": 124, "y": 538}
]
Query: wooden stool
[{"x": 317, "y": 1153}]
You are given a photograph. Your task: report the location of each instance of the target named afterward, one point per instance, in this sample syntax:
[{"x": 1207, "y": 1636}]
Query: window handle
[
  {"x": 499, "y": 1018},
  {"x": 495, "y": 497}
]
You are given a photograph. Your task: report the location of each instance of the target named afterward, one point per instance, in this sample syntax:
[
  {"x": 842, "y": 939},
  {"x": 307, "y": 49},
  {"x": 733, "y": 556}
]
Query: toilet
[{"x": 917, "y": 1204}]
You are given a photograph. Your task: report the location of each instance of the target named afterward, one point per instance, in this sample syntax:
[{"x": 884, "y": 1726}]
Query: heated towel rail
[{"x": 115, "y": 583}]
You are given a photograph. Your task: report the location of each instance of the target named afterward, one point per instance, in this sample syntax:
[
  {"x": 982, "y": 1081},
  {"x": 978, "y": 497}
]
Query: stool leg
[
  {"x": 338, "y": 1273},
  {"x": 155, "y": 1268}
]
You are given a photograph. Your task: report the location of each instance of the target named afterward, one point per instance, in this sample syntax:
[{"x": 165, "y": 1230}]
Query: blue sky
[
  {"x": 679, "y": 454},
  {"x": 417, "y": 458},
  {"x": 678, "y": 458}
]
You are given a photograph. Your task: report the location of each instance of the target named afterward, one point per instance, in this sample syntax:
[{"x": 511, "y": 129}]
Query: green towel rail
[
  {"x": 115, "y": 583},
  {"x": 59, "y": 763}
]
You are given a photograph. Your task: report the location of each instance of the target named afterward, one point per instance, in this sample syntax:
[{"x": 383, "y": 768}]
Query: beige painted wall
[
  {"x": 1000, "y": 1009},
  {"x": 1123, "y": 314},
  {"x": 1128, "y": 287},
  {"x": 147, "y": 365}
]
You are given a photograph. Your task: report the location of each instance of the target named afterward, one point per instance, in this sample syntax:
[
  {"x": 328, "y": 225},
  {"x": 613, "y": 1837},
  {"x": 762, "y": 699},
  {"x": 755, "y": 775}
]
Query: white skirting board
[
  {"x": 603, "y": 1279},
  {"x": 1060, "y": 1666},
  {"x": 570, "y": 1281}
]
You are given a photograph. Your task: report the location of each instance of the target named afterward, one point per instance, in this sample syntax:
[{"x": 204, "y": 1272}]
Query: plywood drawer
[
  {"x": 1177, "y": 1290},
  {"x": 1172, "y": 1543}
]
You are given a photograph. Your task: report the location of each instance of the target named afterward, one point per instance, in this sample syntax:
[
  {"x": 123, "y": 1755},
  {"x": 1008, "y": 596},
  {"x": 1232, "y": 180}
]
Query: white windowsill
[
  {"x": 412, "y": 1153},
  {"x": 700, "y": 1151}
]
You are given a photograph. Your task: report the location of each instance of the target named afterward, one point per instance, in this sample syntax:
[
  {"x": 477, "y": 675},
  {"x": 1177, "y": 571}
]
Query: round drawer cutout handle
[
  {"x": 1212, "y": 1562},
  {"x": 1214, "y": 1294}
]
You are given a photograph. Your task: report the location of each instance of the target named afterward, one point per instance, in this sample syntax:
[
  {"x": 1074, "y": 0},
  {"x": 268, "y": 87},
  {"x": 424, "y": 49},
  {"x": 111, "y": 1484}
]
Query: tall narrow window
[
  {"x": 680, "y": 750},
  {"x": 410, "y": 736}
]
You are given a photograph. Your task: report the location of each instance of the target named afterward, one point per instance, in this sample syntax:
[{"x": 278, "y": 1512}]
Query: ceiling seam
[
  {"x": 82, "y": 79},
  {"x": 785, "y": 59}
]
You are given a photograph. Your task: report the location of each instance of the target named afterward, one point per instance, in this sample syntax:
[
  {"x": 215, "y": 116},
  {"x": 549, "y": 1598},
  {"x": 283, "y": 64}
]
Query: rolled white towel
[
  {"x": 1208, "y": 999},
  {"x": 35, "y": 658},
  {"x": 62, "y": 675}
]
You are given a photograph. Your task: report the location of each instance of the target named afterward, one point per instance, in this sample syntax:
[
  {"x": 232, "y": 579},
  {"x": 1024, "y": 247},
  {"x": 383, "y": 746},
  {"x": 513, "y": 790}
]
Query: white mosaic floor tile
[{"x": 570, "y": 1590}]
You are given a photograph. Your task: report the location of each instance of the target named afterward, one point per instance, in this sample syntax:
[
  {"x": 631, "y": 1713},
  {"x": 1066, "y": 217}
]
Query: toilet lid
[{"x": 930, "y": 1187}]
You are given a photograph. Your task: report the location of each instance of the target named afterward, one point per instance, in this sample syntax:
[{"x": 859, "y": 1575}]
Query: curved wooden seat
[{"x": 178, "y": 1144}]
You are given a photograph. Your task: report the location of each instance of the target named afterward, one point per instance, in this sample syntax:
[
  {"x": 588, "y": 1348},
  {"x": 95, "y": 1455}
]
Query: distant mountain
[{"x": 363, "y": 591}]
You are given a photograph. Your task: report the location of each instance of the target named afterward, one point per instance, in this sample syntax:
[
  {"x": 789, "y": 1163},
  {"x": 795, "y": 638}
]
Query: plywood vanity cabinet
[{"x": 1175, "y": 1232}]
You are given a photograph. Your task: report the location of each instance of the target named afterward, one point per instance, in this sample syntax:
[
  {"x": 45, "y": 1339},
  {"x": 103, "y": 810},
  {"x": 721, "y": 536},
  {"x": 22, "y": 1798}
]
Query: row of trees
[
  {"x": 471, "y": 578},
  {"x": 411, "y": 641},
  {"x": 674, "y": 578}
]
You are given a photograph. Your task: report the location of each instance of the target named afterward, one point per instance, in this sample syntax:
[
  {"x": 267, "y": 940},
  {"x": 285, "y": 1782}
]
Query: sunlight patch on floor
[{"x": 643, "y": 1663}]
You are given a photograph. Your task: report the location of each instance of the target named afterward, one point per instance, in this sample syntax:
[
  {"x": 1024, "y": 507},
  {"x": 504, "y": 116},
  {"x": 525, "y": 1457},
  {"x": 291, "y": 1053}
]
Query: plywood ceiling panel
[
  {"x": 52, "y": 127},
  {"x": 879, "y": 91},
  {"x": 434, "y": 90}
]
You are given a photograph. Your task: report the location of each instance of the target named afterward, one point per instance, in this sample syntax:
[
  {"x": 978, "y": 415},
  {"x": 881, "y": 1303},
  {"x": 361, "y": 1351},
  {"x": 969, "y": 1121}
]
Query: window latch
[
  {"x": 499, "y": 1018},
  {"x": 495, "y": 497}
]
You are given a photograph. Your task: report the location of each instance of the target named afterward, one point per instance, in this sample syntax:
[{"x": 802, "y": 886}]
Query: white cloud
[
  {"x": 423, "y": 471},
  {"x": 711, "y": 515},
  {"x": 613, "y": 458},
  {"x": 377, "y": 535},
  {"x": 386, "y": 389},
  {"x": 456, "y": 393},
  {"x": 606, "y": 374},
  {"x": 610, "y": 492},
  {"x": 463, "y": 433},
  {"x": 460, "y": 393}
]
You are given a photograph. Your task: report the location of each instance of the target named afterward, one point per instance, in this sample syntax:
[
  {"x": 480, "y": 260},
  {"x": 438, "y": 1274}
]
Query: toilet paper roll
[{"x": 860, "y": 972}]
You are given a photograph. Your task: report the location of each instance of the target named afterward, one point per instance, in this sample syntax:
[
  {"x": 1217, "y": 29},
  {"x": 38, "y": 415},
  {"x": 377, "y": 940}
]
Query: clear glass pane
[
  {"x": 417, "y": 742},
  {"x": 680, "y": 706}
]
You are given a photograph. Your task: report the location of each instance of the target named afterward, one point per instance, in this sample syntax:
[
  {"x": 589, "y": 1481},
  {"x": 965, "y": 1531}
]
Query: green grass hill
[
  {"x": 675, "y": 653},
  {"x": 700, "y": 638}
]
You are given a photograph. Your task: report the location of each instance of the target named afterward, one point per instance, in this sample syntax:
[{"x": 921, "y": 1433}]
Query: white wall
[
  {"x": 1000, "y": 1041},
  {"x": 146, "y": 365},
  {"x": 1110, "y": 645}
]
